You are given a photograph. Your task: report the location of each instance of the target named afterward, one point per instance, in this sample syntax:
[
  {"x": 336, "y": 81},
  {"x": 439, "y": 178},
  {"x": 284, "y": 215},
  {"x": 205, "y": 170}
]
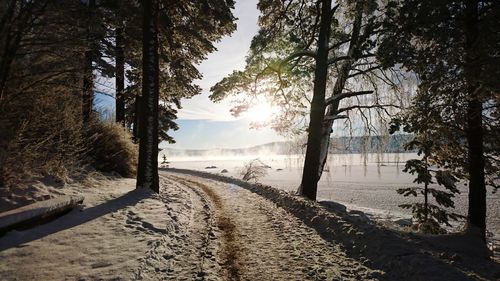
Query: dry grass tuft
[
  {"x": 112, "y": 149},
  {"x": 42, "y": 137}
]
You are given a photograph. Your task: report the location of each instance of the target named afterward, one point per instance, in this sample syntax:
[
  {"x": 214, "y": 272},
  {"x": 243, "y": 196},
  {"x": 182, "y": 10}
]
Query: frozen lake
[{"x": 367, "y": 183}]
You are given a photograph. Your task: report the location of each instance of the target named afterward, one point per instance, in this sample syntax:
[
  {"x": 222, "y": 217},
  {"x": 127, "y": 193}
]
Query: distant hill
[{"x": 338, "y": 145}]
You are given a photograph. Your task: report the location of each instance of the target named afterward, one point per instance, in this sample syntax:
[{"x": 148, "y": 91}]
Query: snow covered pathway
[
  {"x": 266, "y": 234},
  {"x": 209, "y": 227},
  {"x": 256, "y": 240}
]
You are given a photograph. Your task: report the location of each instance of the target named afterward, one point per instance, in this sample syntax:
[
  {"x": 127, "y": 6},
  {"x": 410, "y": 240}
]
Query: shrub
[
  {"x": 111, "y": 149},
  {"x": 43, "y": 135},
  {"x": 253, "y": 170}
]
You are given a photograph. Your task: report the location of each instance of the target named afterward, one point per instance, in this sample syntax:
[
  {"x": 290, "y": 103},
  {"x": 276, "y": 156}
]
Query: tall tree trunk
[
  {"x": 88, "y": 74},
  {"x": 120, "y": 77},
  {"x": 88, "y": 87},
  {"x": 342, "y": 77},
  {"x": 426, "y": 189},
  {"x": 7, "y": 14},
  {"x": 309, "y": 185},
  {"x": 137, "y": 113},
  {"x": 474, "y": 131},
  {"x": 147, "y": 171}
]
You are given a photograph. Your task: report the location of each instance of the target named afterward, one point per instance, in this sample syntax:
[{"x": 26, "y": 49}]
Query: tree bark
[
  {"x": 426, "y": 190},
  {"x": 6, "y": 61},
  {"x": 137, "y": 113},
  {"x": 88, "y": 70},
  {"x": 337, "y": 90},
  {"x": 147, "y": 171},
  {"x": 120, "y": 77},
  {"x": 474, "y": 130},
  {"x": 309, "y": 184}
]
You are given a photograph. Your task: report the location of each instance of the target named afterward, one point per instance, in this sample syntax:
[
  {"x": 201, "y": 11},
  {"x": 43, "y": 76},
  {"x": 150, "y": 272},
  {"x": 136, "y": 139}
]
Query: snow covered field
[
  {"x": 361, "y": 183},
  {"x": 206, "y": 227}
]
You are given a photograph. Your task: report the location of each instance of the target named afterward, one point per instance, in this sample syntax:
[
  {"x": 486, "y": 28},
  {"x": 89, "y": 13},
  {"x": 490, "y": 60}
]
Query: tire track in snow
[
  {"x": 195, "y": 247},
  {"x": 230, "y": 248},
  {"x": 187, "y": 250},
  {"x": 264, "y": 242}
]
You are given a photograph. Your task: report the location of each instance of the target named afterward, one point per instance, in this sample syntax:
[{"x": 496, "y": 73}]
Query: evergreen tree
[
  {"x": 179, "y": 35},
  {"x": 147, "y": 169},
  {"x": 43, "y": 45},
  {"x": 452, "y": 48},
  {"x": 88, "y": 68},
  {"x": 123, "y": 44},
  {"x": 120, "y": 74},
  {"x": 427, "y": 143},
  {"x": 96, "y": 29}
]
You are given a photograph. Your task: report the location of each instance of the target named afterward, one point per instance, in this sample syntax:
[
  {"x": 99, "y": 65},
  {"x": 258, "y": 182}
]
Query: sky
[{"x": 204, "y": 124}]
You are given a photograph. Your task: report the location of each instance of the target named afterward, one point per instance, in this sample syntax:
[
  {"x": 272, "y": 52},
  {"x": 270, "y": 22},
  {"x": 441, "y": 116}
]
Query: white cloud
[{"x": 201, "y": 108}]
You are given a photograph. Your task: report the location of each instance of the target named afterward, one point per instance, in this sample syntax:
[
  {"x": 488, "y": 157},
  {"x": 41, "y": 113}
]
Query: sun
[{"x": 260, "y": 112}]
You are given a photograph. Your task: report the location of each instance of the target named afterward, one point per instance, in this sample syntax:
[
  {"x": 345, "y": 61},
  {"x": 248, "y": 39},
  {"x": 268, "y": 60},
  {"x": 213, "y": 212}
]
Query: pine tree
[
  {"x": 147, "y": 171},
  {"x": 451, "y": 46},
  {"x": 42, "y": 47},
  {"x": 88, "y": 68},
  {"x": 186, "y": 31},
  {"x": 120, "y": 74},
  {"x": 123, "y": 43},
  {"x": 429, "y": 217}
]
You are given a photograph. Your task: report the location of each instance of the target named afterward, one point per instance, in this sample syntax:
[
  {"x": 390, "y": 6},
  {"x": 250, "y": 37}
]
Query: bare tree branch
[
  {"x": 342, "y": 96},
  {"x": 382, "y": 106},
  {"x": 336, "y": 117},
  {"x": 347, "y": 57},
  {"x": 365, "y": 71},
  {"x": 299, "y": 54}
]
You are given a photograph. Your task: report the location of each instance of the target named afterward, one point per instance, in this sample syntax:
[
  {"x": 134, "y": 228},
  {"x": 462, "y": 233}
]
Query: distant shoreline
[{"x": 339, "y": 145}]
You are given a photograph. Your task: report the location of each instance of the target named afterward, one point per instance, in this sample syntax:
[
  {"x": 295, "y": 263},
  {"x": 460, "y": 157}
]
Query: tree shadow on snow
[{"x": 74, "y": 218}]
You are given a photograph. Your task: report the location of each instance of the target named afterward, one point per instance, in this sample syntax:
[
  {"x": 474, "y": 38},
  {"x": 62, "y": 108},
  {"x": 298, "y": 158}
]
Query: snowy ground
[
  {"x": 109, "y": 237},
  {"x": 214, "y": 228},
  {"x": 369, "y": 188}
]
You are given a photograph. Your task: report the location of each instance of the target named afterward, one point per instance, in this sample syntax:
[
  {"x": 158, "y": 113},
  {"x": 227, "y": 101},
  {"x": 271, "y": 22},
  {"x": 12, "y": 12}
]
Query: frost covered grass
[
  {"x": 112, "y": 149},
  {"x": 43, "y": 138},
  {"x": 38, "y": 166}
]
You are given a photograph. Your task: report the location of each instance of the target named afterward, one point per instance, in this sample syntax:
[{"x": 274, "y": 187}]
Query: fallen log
[{"x": 37, "y": 213}]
